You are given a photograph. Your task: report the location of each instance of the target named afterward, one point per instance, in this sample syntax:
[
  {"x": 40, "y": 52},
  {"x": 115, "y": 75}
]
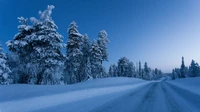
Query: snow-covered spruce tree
[
  {"x": 85, "y": 61},
  {"x": 88, "y": 70},
  {"x": 22, "y": 48},
  {"x": 140, "y": 70},
  {"x": 74, "y": 53},
  {"x": 47, "y": 47},
  {"x": 38, "y": 48},
  {"x": 147, "y": 72},
  {"x": 102, "y": 42},
  {"x": 194, "y": 69},
  {"x": 173, "y": 74},
  {"x": 96, "y": 59},
  {"x": 156, "y": 74},
  {"x": 131, "y": 70},
  {"x": 112, "y": 70},
  {"x": 103, "y": 72},
  {"x": 4, "y": 69},
  {"x": 183, "y": 69},
  {"x": 178, "y": 73},
  {"x": 115, "y": 70},
  {"x": 123, "y": 67},
  {"x": 15, "y": 66}
]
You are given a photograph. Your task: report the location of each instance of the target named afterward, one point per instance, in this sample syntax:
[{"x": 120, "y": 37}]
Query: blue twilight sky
[{"x": 159, "y": 32}]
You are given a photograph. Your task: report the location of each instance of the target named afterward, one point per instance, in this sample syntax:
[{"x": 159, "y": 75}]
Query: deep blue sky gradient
[{"x": 157, "y": 31}]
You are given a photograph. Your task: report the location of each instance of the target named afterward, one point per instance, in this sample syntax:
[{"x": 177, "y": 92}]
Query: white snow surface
[
  {"x": 189, "y": 84},
  {"x": 104, "y": 95},
  {"x": 82, "y": 97}
]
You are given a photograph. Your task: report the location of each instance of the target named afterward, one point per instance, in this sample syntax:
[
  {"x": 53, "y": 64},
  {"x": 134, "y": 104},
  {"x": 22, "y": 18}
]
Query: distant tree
[
  {"x": 178, "y": 73},
  {"x": 140, "y": 70},
  {"x": 131, "y": 70},
  {"x": 123, "y": 66},
  {"x": 183, "y": 69},
  {"x": 194, "y": 69},
  {"x": 113, "y": 70},
  {"x": 5, "y": 71},
  {"x": 126, "y": 68},
  {"x": 74, "y": 53},
  {"x": 173, "y": 74},
  {"x": 147, "y": 71}
]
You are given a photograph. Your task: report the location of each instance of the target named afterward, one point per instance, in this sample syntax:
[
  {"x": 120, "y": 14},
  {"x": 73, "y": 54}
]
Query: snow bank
[{"x": 190, "y": 84}]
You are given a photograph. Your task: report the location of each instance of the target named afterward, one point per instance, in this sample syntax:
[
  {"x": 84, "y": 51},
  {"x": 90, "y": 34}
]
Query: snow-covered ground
[
  {"x": 190, "y": 84},
  {"x": 68, "y": 98},
  {"x": 104, "y": 95}
]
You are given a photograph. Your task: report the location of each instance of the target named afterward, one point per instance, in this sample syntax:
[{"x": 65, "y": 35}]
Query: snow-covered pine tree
[
  {"x": 178, "y": 73},
  {"x": 123, "y": 67},
  {"x": 38, "y": 48},
  {"x": 21, "y": 47},
  {"x": 147, "y": 72},
  {"x": 103, "y": 72},
  {"x": 131, "y": 70},
  {"x": 47, "y": 46},
  {"x": 111, "y": 70},
  {"x": 115, "y": 70},
  {"x": 194, "y": 69},
  {"x": 74, "y": 53},
  {"x": 95, "y": 59},
  {"x": 88, "y": 70},
  {"x": 102, "y": 42},
  {"x": 15, "y": 66},
  {"x": 140, "y": 70},
  {"x": 183, "y": 69},
  {"x": 85, "y": 49},
  {"x": 173, "y": 74},
  {"x": 4, "y": 69}
]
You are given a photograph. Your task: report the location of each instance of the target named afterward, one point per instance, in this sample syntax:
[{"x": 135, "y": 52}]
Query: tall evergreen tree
[
  {"x": 183, "y": 69},
  {"x": 20, "y": 46},
  {"x": 15, "y": 66},
  {"x": 147, "y": 71},
  {"x": 173, "y": 74},
  {"x": 140, "y": 70},
  {"x": 194, "y": 69},
  {"x": 38, "y": 48},
  {"x": 96, "y": 59},
  {"x": 123, "y": 67},
  {"x": 102, "y": 42},
  {"x": 112, "y": 70},
  {"x": 74, "y": 53},
  {"x": 85, "y": 61},
  {"x": 5, "y": 77}
]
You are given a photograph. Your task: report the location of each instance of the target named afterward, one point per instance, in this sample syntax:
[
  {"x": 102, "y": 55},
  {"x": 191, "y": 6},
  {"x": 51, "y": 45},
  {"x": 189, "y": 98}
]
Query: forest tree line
[{"x": 36, "y": 56}]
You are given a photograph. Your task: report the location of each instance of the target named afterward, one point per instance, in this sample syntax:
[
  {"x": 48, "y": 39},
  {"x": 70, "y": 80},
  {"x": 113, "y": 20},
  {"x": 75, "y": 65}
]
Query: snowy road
[
  {"x": 156, "y": 97},
  {"x": 114, "y": 95}
]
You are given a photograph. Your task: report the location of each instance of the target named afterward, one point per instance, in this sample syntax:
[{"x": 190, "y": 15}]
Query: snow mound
[{"x": 190, "y": 84}]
